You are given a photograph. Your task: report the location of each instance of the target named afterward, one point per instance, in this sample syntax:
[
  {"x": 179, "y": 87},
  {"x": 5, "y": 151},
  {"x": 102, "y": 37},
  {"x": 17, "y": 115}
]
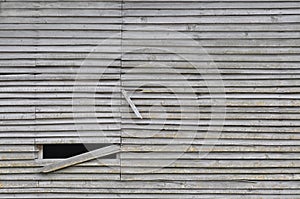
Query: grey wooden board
[{"x": 254, "y": 44}]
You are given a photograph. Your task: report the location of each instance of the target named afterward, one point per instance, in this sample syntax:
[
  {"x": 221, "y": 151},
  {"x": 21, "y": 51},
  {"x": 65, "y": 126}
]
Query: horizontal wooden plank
[
  {"x": 208, "y": 177},
  {"x": 17, "y": 148},
  {"x": 287, "y": 42},
  {"x": 70, "y": 170},
  {"x": 38, "y": 163},
  {"x": 68, "y": 5},
  {"x": 113, "y": 195},
  {"x": 215, "y": 148},
  {"x": 211, "y": 27},
  {"x": 207, "y": 35},
  {"x": 67, "y": 12},
  {"x": 143, "y": 192},
  {"x": 206, "y": 12},
  {"x": 17, "y": 156},
  {"x": 209, "y": 42},
  {"x": 54, "y": 176},
  {"x": 215, "y": 141},
  {"x": 208, "y": 5},
  {"x": 72, "y": 134},
  {"x": 180, "y": 186},
  {"x": 80, "y": 139},
  {"x": 212, "y": 155},
  {"x": 212, "y": 19},
  {"x": 60, "y": 26},
  {"x": 61, "y": 20},
  {"x": 60, "y": 34},
  {"x": 181, "y": 134}
]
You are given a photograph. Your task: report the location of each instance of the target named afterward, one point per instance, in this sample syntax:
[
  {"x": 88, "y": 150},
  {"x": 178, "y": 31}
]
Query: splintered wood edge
[{"x": 80, "y": 158}]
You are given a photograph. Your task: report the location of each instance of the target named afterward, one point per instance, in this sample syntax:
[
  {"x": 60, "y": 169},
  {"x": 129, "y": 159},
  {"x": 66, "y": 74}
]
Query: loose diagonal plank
[
  {"x": 132, "y": 105},
  {"x": 80, "y": 158}
]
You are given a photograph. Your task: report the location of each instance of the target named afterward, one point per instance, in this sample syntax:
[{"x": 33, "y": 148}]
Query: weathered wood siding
[{"x": 52, "y": 53}]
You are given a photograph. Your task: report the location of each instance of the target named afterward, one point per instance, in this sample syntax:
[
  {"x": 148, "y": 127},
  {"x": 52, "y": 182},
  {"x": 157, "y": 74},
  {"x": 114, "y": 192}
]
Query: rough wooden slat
[
  {"x": 132, "y": 105},
  {"x": 254, "y": 44}
]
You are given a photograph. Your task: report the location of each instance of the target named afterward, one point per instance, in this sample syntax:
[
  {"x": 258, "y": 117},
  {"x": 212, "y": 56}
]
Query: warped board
[{"x": 201, "y": 96}]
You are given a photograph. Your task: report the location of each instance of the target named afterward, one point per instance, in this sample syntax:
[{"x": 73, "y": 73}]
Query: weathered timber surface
[{"x": 211, "y": 104}]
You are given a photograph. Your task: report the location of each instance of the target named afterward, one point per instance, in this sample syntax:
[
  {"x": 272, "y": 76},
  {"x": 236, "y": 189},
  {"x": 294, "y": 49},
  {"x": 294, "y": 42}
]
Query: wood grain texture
[{"x": 64, "y": 64}]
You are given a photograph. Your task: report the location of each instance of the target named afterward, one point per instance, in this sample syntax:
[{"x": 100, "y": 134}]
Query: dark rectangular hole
[{"x": 61, "y": 151}]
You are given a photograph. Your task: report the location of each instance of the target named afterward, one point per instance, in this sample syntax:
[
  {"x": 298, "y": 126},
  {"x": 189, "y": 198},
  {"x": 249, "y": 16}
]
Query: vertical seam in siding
[{"x": 121, "y": 67}]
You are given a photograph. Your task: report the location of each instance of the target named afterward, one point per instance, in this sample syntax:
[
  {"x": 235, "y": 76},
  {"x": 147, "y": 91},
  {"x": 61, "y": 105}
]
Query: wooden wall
[{"x": 196, "y": 67}]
